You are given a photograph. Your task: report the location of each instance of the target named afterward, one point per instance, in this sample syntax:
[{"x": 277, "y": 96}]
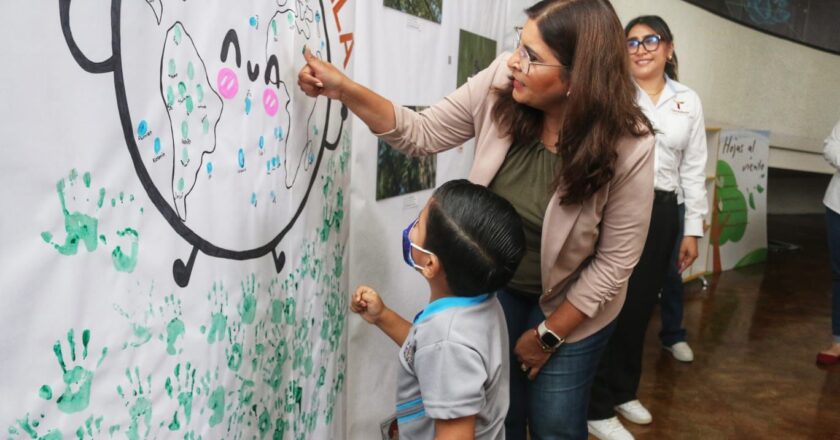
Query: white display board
[
  {"x": 738, "y": 234},
  {"x": 176, "y": 250}
]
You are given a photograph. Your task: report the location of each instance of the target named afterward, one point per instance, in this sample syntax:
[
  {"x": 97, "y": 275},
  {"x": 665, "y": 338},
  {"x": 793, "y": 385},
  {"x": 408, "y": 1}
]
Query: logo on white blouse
[{"x": 679, "y": 106}]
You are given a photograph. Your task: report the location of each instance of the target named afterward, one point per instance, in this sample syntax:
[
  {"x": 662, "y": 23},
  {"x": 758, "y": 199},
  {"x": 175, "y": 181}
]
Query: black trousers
[{"x": 620, "y": 369}]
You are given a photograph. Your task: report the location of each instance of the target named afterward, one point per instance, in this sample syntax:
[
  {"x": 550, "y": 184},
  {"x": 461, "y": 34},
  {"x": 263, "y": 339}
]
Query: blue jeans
[
  {"x": 833, "y": 222},
  {"x": 554, "y": 405},
  {"x": 671, "y": 301}
]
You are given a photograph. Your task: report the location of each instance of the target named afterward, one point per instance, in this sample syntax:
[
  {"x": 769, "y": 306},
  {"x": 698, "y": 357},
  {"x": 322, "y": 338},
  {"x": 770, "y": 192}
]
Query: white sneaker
[
  {"x": 681, "y": 351},
  {"x": 635, "y": 412},
  {"x": 609, "y": 429}
]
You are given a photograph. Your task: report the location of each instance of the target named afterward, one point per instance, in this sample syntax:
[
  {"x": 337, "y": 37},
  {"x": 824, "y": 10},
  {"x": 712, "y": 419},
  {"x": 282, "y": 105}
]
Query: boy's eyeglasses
[
  {"x": 524, "y": 57},
  {"x": 650, "y": 42}
]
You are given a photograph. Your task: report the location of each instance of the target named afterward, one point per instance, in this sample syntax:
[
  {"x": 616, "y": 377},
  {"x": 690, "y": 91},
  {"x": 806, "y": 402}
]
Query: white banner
[{"x": 175, "y": 257}]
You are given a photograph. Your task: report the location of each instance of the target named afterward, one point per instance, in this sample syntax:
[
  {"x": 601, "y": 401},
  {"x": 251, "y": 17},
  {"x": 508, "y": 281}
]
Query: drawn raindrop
[
  {"x": 157, "y": 146},
  {"x": 209, "y": 167},
  {"x": 199, "y": 93},
  {"x": 241, "y": 158},
  {"x": 173, "y": 68},
  {"x": 178, "y": 36},
  {"x": 190, "y": 71},
  {"x": 182, "y": 89},
  {"x": 262, "y": 143},
  {"x": 170, "y": 97},
  {"x": 254, "y": 198},
  {"x": 142, "y": 128},
  {"x": 185, "y": 130},
  {"x": 189, "y": 103}
]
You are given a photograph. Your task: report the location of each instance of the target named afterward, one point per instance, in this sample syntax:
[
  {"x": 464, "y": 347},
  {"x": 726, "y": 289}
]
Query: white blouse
[
  {"x": 680, "y": 161},
  {"x": 832, "y": 155}
]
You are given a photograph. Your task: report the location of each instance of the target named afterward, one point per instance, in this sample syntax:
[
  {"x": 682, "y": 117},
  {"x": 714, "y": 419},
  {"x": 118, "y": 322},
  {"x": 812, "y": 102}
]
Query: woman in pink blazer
[{"x": 559, "y": 135}]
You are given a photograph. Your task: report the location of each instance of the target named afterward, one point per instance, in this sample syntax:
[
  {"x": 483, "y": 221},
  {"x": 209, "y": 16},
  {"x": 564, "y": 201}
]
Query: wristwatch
[{"x": 549, "y": 340}]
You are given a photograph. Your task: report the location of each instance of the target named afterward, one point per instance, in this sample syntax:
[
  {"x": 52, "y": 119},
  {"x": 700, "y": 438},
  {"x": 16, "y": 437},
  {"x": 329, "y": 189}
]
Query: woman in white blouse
[
  {"x": 831, "y": 355},
  {"x": 676, "y": 223}
]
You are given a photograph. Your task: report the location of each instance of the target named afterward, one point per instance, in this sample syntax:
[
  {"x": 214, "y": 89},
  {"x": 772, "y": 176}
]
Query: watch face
[{"x": 549, "y": 339}]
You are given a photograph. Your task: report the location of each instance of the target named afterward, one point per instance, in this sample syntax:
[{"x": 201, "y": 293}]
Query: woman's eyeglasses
[
  {"x": 524, "y": 57},
  {"x": 650, "y": 42}
]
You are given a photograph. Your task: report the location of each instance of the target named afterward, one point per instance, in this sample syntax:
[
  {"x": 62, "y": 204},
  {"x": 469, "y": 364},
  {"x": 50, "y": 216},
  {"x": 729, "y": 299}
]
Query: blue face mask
[{"x": 407, "y": 245}]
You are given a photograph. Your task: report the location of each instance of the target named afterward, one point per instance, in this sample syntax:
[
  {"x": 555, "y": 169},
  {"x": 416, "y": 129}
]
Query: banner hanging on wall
[{"x": 183, "y": 271}]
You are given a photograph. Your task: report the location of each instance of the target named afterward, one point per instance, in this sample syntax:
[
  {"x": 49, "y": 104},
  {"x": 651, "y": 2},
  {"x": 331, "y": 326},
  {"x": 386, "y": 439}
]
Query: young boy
[{"x": 453, "y": 381}]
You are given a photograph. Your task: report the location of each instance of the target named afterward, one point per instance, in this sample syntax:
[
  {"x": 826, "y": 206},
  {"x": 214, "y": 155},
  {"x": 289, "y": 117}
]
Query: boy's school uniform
[{"x": 455, "y": 363}]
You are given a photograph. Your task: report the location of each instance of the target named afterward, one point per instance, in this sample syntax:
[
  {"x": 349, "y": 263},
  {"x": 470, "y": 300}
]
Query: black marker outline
[{"x": 182, "y": 271}]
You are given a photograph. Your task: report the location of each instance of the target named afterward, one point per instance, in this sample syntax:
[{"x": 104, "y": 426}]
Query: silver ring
[{"x": 524, "y": 368}]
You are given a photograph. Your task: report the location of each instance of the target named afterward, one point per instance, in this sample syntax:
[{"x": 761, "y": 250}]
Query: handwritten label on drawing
[{"x": 732, "y": 148}]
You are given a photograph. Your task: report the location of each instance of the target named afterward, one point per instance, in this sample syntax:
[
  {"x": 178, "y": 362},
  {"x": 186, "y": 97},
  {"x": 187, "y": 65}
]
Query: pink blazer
[{"x": 588, "y": 250}]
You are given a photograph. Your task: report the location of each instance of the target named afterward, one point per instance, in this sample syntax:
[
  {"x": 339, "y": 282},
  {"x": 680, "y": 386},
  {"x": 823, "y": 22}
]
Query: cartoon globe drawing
[{"x": 223, "y": 141}]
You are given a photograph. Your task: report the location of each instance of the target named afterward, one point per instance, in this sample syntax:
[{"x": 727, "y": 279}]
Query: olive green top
[{"x": 526, "y": 180}]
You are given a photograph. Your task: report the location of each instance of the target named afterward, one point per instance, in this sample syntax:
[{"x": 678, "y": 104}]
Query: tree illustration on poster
[
  {"x": 729, "y": 219},
  {"x": 738, "y": 233},
  {"x": 812, "y": 23}
]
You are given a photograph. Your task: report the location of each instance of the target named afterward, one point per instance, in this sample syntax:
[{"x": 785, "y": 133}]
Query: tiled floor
[{"x": 755, "y": 334}]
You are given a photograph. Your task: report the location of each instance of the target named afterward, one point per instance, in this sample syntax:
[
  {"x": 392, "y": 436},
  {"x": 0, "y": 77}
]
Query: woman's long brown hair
[{"x": 586, "y": 36}]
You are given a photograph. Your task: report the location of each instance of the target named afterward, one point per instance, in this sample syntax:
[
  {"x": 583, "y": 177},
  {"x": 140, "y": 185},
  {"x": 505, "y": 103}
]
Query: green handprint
[
  {"x": 92, "y": 428},
  {"x": 138, "y": 404},
  {"x": 30, "y": 429},
  {"x": 79, "y": 224},
  {"x": 218, "y": 296},
  {"x": 126, "y": 261},
  {"x": 181, "y": 388},
  {"x": 277, "y": 357},
  {"x": 76, "y": 395},
  {"x": 175, "y": 326},
  {"x": 248, "y": 306}
]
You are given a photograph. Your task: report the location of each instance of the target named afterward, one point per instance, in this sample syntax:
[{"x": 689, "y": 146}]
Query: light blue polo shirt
[{"x": 455, "y": 363}]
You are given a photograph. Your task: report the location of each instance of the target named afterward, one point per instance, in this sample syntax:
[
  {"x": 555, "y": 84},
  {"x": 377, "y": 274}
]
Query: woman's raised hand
[{"x": 320, "y": 78}]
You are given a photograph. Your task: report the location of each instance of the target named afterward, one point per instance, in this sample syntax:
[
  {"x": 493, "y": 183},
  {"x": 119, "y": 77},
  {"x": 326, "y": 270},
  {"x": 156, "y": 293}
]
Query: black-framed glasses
[
  {"x": 650, "y": 42},
  {"x": 524, "y": 57}
]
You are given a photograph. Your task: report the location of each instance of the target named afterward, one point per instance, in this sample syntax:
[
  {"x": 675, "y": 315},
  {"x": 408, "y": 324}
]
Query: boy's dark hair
[{"x": 477, "y": 236}]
